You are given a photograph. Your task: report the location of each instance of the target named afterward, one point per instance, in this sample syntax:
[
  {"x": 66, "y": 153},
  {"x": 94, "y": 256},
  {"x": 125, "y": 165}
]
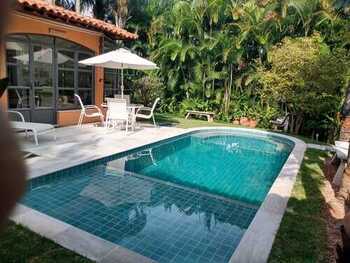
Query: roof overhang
[{"x": 59, "y": 14}]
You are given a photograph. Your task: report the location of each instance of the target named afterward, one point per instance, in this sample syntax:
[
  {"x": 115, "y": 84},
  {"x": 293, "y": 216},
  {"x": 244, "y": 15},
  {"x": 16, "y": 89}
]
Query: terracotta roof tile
[{"x": 43, "y": 8}]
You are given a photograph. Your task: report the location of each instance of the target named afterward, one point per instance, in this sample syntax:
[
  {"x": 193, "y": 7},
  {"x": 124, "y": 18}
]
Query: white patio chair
[
  {"x": 88, "y": 111},
  {"x": 33, "y": 127},
  {"x": 117, "y": 112},
  {"x": 126, "y": 97},
  {"x": 148, "y": 112}
]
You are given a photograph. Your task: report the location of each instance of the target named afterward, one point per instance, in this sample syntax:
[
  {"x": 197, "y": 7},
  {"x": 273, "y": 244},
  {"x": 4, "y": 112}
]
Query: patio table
[{"x": 133, "y": 108}]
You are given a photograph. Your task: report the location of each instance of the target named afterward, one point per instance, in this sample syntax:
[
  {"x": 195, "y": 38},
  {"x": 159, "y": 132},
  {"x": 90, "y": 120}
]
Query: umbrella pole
[{"x": 122, "y": 86}]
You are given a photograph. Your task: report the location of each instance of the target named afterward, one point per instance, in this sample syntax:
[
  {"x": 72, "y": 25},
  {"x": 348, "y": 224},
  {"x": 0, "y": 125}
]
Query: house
[{"x": 40, "y": 57}]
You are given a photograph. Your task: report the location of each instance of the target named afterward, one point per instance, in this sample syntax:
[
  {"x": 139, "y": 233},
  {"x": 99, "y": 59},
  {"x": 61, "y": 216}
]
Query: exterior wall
[
  {"x": 71, "y": 117},
  {"x": 24, "y": 23}
]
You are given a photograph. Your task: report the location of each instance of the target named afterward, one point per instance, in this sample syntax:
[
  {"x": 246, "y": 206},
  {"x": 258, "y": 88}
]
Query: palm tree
[
  {"x": 120, "y": 12},
  {"x": 77, "y": 6}
]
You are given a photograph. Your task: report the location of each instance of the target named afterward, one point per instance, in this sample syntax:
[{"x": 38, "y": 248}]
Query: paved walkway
[{"x": 78, "y": 145}]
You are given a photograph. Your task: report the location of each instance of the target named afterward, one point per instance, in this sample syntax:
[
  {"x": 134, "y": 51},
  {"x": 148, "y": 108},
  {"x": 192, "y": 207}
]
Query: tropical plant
[
  {"x": 212, "y": 53},
  {"x": 307, "y": 77}
]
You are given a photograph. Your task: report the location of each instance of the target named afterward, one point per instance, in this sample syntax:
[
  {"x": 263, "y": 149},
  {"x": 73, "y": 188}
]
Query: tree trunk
[
  {"x": 121, "y": 12},
  {"x": 77, "y": 6},
  {"x": 228, "y": 88},
  {"x": 298, "y": 123}
]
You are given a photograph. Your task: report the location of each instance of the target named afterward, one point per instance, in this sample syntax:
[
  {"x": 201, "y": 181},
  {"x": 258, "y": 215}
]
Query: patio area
[{"x": 75, "y": 145}]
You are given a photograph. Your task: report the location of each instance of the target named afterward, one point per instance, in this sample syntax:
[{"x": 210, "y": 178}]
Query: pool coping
[{"x": 255, "y": 245}]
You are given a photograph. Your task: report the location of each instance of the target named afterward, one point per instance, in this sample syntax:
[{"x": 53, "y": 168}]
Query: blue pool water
[{"x": 188, "y": 199}]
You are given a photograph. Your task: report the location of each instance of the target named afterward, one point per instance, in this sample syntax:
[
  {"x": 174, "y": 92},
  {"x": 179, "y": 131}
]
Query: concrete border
[
  {"x": 255, "y": 245},
  {"x": 75, "y": 239}
]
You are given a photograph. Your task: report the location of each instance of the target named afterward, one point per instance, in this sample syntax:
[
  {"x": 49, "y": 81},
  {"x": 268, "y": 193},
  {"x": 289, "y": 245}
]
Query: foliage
[
  {"x": 147, "y": 89},
  {"x": 208, "y": 51},
  {"x": 306, "y": 76}
]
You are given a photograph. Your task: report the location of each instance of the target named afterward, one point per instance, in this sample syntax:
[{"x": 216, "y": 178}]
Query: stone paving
[{"x": 75, "y": 145}]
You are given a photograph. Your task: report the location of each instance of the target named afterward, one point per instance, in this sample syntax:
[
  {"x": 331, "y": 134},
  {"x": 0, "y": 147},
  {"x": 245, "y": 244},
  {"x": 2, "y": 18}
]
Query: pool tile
[{"x": 151, "y": 217}]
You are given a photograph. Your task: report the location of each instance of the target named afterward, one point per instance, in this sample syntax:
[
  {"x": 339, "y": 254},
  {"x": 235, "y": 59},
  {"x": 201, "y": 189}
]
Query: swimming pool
[{"x": 185, "y": 199}]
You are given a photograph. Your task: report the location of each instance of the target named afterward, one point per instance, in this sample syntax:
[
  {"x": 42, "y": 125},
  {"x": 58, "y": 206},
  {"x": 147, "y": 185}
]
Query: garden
[{"x": 248, "y": 61}]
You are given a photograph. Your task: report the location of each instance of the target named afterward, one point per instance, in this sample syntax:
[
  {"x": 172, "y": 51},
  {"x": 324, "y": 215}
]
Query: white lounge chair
[
  {"x": 117, "y": 112},
  {"x": 148, "y": 110},
  {"x": 33, "y": 127},
  {"x": 86, "y": 111}
]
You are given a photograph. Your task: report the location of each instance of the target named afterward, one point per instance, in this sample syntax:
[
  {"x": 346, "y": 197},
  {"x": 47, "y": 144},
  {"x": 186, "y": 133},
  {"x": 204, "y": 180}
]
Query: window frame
[
  {"x": 57, "y": 44},
  {"x": 76, "y": 70}
]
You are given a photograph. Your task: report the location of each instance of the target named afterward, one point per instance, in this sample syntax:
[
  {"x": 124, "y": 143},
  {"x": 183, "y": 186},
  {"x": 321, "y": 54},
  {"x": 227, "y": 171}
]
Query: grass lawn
[
  {"x": 181, "y": 122},
  {"x": 18, "y": 244},
  {"x": 301, "y": 237}
]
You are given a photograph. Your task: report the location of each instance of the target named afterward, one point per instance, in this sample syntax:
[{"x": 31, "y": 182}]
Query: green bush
[
  {"x": 147, "y": 89},
  {"x": 307, "y": 77}
]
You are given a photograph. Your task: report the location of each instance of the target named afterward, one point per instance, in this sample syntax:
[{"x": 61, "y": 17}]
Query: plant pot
[
  {"x": 235, "y": 122},
  {"x": 253, "y": 123},
  {"x": 244, "y": 121}
]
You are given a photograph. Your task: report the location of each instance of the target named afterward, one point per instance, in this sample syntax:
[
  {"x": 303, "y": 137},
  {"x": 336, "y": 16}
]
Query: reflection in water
[
  {"x": 242, "y": 167},
  {"x": 144, "y": 215}
]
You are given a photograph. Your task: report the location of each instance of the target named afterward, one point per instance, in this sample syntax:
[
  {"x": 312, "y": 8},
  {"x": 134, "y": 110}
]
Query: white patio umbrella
[{"x": 120, "y": 59}]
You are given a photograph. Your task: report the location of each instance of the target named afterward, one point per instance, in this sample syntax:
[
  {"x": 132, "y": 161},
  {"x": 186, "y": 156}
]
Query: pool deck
[{"x": 75, "y": 146}]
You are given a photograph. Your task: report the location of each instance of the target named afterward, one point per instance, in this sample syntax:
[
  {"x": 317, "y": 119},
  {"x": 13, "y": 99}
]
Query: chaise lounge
[{"x": 33, "y": 127}]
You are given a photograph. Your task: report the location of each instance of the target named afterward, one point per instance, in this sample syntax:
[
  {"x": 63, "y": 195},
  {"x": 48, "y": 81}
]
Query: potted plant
[
  {"x": 236, "y": 116},
  {"x": 253, "y": 123},
  {"x": 244, "y": 121},
  {"x": 252, "y": 114},
  {"x": 235, "y": 121}
]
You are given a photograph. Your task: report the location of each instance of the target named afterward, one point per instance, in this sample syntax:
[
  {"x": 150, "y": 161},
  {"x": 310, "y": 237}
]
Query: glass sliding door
[
  {"x": 66, "y": 79},
  {"x": 19, "y": 90},
  {"x": 42, "y": 66},
  {"x": 73, "y": 77},
  {"x": 44, "y": 74},
  {"x": 85, "y": 79}
]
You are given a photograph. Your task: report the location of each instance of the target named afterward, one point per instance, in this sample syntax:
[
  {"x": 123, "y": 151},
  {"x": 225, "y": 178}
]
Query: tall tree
[{"x": 120, "y": 12}]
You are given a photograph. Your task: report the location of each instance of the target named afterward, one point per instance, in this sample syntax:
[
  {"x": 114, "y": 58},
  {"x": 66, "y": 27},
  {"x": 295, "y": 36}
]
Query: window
[
  {"x": 42, "y": 66},
  {"x": 110, "y": 83},
  {"x": 36, "y": 63},
  {"x": 17, "y": 57},
  {"x": 44, "y": 74},
  {"x": 66, "y": 87},
  {"x": 73, "y": 77},
  {"x": 110, "y": 75},
  {"x": 85, "y": 80}
]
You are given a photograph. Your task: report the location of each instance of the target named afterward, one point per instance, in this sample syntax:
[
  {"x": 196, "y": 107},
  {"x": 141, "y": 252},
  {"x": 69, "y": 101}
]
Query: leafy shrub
[
  {"x": 307, "y": 77},
  {"x": 147, "y": 89}
]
